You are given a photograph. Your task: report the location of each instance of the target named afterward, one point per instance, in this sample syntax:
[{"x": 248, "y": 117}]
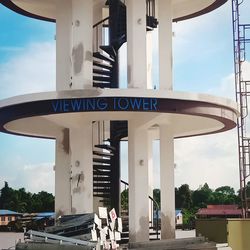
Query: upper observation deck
[{"x": 46, "y": 9}]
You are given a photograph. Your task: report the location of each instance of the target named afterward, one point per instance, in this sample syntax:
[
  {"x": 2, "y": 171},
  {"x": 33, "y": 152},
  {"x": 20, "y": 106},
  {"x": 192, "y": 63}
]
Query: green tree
[
  {"x": 124, "y": 199},
  {"x": 183, "y": 196}
]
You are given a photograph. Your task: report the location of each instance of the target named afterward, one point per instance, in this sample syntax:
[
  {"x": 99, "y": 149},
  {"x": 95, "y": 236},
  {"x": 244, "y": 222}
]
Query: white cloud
[
  {"x": 212, "y": 159},
  {"x": 31, "y": 70},
  {"x": 34, "y": 178}
]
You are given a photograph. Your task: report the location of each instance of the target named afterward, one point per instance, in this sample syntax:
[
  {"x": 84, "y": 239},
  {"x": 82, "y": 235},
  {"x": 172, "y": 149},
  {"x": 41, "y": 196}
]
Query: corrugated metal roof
[
  {"x": 8, "y": 212},
  {"x": 220, "y": 210}
]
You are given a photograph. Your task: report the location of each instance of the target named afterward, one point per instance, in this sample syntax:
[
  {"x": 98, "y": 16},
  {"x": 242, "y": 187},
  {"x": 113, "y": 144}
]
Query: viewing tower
[{"x": 88, "y": 114}]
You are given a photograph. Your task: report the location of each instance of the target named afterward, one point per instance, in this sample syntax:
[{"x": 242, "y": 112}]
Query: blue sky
[{"x": 203, "y": 62}]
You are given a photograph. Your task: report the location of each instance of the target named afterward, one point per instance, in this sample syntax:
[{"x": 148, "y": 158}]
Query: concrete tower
[{"x": 88, "y": 114}]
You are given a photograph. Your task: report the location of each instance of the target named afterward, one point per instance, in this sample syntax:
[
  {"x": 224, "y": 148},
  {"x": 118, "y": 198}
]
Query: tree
[
  {"x": 183, "y": 196},
  {"x": 124, "y": 199},
  {"x": 202, "y": 196},
  {"x": 25, "y": 202}
]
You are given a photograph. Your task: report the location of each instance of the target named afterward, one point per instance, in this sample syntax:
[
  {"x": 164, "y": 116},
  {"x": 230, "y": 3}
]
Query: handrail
[
  {"x": 153, "y": 202},
  {"x": 100, "y": 22}
]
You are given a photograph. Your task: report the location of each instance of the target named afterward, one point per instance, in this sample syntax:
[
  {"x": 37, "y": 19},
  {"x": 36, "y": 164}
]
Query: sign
[{"x": 104, "y": 104}]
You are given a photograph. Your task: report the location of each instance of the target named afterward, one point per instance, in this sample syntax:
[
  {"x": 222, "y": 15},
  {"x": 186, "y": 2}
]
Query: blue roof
[
  {"x": 46, "y": 214},
  {"x": 177, "y": 211},
  {"x": 8, "y": 212}
]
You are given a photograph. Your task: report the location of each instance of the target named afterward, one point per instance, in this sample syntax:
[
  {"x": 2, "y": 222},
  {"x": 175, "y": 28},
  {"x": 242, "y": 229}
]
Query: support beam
[
  {"x": 82, "y": 47},
  {"x": 165, "y": 44},
  {"x": 138, "y": 183},
  {"x": 62, "y": 175},
  {"x": 167, "y": 182},
  {"x": 74, "y": 49},
  {"x": 82, "y": 168},
  {"x": 63, "y": 44},
  {"x": 136, "y": 44}
]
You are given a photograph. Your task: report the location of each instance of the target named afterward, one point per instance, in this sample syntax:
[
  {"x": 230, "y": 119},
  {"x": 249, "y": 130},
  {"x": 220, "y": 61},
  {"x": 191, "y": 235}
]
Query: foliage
[
  {"x": 124, "y": 199},
  {"x": 25, "y": 202}
]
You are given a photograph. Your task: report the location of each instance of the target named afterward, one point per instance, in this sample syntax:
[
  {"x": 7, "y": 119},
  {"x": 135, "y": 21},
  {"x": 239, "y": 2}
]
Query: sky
[{"x": 203, "y": 63}]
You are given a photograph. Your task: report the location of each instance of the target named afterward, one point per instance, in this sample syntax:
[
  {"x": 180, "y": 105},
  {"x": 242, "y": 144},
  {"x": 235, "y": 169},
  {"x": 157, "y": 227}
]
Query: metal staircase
[{"x": 106, "y": 160}]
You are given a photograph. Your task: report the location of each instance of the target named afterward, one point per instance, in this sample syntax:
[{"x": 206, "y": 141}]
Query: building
[
  {"x": 6, "y": 216},
  {"x": 219, "y": 211},
  {"x": 178, "y": 218},
  {"x": 88, "y": 114}
]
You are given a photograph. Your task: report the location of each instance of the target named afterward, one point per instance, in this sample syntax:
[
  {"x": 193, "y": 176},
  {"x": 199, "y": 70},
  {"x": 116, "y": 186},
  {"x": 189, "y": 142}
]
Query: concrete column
[
  {"x": 62, "y": 175},
  {"x": 138, "y": 183},
  {"x": 149, "y": 60},
  {"x": 82, "y": 168},
  {"x": 136, "y": 44},
  {"x": 74, "y": 35},
  {"x": 150, "y": 169},
  {"x": 167, "y": 182},
  {"x": 165, "y": 44},
  {"x": 82, "y": 48},
  {"x": 63, "y": 44}
]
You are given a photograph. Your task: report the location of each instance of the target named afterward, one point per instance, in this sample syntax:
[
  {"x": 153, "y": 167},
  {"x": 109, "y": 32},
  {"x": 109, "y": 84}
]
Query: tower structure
[
  {"x": 241, "y": 37},
  {"x": 88, "y": 113}
]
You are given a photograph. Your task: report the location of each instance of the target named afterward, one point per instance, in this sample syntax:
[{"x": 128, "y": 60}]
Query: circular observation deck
[
  {"x": 47, "y": 114},
  {"x": 46, "y": 9}
]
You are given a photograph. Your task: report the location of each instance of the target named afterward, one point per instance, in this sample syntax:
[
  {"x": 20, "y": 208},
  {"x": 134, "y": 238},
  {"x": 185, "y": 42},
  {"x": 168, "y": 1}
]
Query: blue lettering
[
  {"x": 76, "y": 104},
  {"x": 90, "y": 103},
  {"x": 65, "y": 105},
  {"x": 124, "y": 101},
  {"x": 102, "y": 104},
  {"x": 115, "y": 107},
  {"x": 154, "y": 104},
  {"x": 55, "y": 105},
  {"x": 135, "y": 103},
  {"x": 145, "y": 104}
]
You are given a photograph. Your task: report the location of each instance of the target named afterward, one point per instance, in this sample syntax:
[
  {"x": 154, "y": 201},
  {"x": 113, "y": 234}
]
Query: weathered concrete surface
[
  {"x": 197, "y": 243},
  {"x": 44, "y": 246}
]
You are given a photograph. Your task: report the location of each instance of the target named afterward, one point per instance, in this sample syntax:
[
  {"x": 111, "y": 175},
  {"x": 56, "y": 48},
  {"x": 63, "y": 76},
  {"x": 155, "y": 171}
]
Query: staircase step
[
  {"x": 105, "y": 146},
  {"x": 102, "y": 195},
  {"x": 102, "y": 78},
  {"x": 101, "y": 160},
  {"x": 101, "y": 174},
  {"x": 102, "y": 184},
  {"x": 101, "y": 190},
  {"x": 103, "y": 57},
  {"x": 102, "y": 65},
  {"x": 101, "y": 85},
  {"x": 101, "y": 167},
  {"x": 108, "y": 179},
  {"x": 109, "y": 50},
  {"x": 102, "y": 72},
  {"x": 100, "y": 153}
]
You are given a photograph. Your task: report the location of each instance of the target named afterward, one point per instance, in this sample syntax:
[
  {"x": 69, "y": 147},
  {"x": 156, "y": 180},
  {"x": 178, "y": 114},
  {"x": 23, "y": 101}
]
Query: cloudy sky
[{"x": 203, "y": 62}]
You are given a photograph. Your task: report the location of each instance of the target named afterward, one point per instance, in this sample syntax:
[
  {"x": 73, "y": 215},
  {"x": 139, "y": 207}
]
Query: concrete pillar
[
  {"x": 74, "y": 35},
  {"x": 165, "y": 44},
  {"x": 150, "y": 170},
  {"x": 62, "y": 175},
  {"x": 167, "y": 182},
  {"x": 63, "y": 44},
  {"x": 82, "y": 168},
  {"x": 82, "y": 48},
  {"x": 136, "y": 44},
  {"x": 138, "y": 183},
  {"x": 149, "y": 60}
]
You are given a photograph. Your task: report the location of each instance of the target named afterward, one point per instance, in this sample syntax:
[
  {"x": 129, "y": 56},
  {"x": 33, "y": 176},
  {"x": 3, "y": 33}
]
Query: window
[
  {"x": 9, "y": 218},
  {"x": 2, "y": 218}
]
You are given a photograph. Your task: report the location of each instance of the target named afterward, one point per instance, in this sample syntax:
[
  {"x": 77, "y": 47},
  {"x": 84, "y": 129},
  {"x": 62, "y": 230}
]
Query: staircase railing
[
  {"x": 98, "y": 29},
  {"x": 154, "y": 207}
]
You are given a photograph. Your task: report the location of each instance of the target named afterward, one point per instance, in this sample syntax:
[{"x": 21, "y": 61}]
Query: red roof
[{"x": 220, "y": 210}]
